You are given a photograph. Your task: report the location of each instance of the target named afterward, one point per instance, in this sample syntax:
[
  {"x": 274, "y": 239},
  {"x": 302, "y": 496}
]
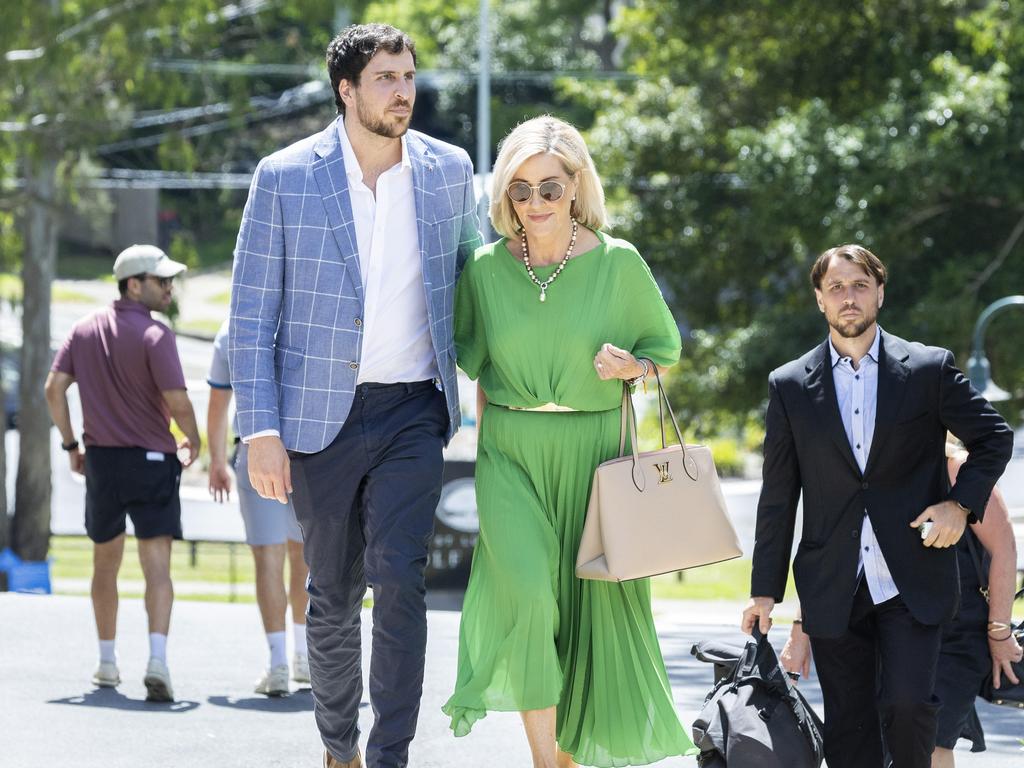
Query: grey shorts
[{"x": 267, "y": 521}]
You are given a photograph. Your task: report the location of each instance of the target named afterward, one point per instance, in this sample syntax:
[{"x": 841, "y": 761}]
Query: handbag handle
[{"x": 628, "y": 425}]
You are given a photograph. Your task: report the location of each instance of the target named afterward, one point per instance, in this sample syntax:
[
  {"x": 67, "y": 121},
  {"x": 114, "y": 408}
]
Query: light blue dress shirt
[{"x": 857, "y": 396}]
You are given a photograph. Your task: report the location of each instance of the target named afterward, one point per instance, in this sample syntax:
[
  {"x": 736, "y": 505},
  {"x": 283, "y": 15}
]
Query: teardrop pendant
[{"x": 543, "y": 294}]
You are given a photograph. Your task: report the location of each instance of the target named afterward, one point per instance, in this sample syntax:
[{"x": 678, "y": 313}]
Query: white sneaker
[
  {"x": 158, "y": 682},
  {"x": 106, "y": 675},
  {"x": 274, "y": 682},
  {"x": 300, "y": 668}
]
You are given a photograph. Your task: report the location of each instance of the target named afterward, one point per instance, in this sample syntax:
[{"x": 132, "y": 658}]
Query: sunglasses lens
[
  {"x": 519, "y": 191},
  {"x": 550, "y": 191}
]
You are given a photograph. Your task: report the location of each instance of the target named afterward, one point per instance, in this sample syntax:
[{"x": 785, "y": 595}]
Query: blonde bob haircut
[{"x": 546, "y": 135}]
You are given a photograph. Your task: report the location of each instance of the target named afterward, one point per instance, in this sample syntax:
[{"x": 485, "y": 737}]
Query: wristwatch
[{"x": 73, "y": 445}]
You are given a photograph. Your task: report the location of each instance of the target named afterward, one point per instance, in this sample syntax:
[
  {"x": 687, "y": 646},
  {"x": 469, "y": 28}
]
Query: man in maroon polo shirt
[{"x": 130, "y": 384}]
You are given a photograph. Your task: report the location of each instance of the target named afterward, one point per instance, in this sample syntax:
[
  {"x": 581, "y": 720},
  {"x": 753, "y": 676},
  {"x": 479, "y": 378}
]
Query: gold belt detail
[{"x": 546, "y": 408}]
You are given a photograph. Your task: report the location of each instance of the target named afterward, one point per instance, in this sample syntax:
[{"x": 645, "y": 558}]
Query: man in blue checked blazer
[{"x": 343, "y": 366}]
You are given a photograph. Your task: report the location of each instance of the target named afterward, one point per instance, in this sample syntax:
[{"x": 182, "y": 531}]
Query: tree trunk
[{"x": 30, "y": 528}]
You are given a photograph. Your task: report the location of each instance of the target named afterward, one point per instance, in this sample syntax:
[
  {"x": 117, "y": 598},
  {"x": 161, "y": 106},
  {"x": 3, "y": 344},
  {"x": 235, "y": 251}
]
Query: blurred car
[{"x": 456, "y": 528}]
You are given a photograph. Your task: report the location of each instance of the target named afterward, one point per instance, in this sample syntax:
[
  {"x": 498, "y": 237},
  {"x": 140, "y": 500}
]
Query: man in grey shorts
[{"x": 270, "y": 529}]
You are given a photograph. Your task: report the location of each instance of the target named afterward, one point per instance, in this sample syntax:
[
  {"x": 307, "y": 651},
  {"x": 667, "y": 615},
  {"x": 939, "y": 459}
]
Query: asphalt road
[{"x": 50, "y": 714}]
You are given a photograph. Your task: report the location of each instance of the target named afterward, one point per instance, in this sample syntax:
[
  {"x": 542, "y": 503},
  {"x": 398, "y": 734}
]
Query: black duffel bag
[{"x": 754, "y": 717}]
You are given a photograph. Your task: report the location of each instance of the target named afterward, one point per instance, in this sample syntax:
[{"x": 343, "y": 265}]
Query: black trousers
[
  {"x": 877, "y": 681},
  {"x": 366, "y": 507}
]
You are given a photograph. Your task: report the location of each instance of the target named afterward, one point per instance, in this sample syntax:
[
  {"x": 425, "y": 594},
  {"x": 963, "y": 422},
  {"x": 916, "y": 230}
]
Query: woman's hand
[
  {"x": 1004, "y": 653},
  {"x": 610, "y": 362}
]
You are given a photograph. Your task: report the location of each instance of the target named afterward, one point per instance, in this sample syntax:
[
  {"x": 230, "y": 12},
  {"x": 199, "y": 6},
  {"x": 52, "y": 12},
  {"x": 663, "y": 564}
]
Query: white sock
[
  {"x": 278, "y": 648},
  {"x": 158, "y": 646},
  {"x": 107, "y": 651},
  {"x": 299, "y": 631}
]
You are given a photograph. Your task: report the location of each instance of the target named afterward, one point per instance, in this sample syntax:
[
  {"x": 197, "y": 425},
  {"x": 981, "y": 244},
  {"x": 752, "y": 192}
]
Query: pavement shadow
[
  {"x": 111, "y": 698},
  {"x": 299, "y": 701}
]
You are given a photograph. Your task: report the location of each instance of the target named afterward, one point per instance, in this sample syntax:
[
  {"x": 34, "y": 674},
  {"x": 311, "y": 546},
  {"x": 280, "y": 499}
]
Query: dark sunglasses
[
  {"x": 521, "y": 192},
  {"x": 164, "y": 282}
]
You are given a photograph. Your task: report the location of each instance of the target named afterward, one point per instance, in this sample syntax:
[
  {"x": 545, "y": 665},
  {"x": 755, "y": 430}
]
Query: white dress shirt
[
  {"x": 857, "y": 396},
  {"x": 396, "y": 330}
]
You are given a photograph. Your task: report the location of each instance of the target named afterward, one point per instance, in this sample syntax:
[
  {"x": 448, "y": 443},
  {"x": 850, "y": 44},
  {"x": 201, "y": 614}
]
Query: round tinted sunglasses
[{"x": 521, "y": 192}]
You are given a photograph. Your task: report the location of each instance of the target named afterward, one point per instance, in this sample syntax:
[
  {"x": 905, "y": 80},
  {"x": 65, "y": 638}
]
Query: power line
[{"x": 293, "y": 100}]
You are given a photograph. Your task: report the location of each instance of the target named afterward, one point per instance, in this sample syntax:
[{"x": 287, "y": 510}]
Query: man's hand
[
  {"x": 948, "y": 523},
  {"x": 270, "y": 470},
  {"x": 220, "y": 482},
  {"x": 193, "y": 451},
  {"x": 796, "y": 654},
  {"x": 1004, "y": 653},
  {"x": 758, "y": 609},
  {"x": 77, "y": 458}
]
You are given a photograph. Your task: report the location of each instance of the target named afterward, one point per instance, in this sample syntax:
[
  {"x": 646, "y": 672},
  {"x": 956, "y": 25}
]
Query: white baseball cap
[{"x": 145, "y": 260}]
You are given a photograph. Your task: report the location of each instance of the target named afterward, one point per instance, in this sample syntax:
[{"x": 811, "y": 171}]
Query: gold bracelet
[{"x": 998, "y": 626}]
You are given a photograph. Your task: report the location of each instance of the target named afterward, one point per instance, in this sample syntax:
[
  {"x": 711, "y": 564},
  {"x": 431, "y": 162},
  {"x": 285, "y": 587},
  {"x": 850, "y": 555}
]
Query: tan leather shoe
[{"x": 330, "y": 761}]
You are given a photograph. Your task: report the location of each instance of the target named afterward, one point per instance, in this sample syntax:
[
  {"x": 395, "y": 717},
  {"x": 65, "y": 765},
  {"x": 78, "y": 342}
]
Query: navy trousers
[
  {"x": 877, "y": 682},
  {"x": 366, "y": 508}
]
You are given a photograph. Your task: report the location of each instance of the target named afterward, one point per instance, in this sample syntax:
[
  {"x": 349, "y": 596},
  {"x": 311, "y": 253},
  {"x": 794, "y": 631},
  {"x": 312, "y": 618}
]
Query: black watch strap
[{"x": 69, "y": 446}]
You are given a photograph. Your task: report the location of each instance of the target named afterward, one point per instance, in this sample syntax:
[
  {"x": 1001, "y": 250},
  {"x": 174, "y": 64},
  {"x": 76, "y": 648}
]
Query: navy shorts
[{"x": 133, "y": 482}]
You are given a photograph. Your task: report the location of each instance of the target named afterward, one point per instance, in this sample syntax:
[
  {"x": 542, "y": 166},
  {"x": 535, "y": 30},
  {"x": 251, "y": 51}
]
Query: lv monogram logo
[{"x": 663, "y": 475}]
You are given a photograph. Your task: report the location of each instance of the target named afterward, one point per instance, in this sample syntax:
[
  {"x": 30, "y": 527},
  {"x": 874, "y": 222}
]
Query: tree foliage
[
  {"x": 76, "y": 76},
  {"x": 764, "y": 132}
]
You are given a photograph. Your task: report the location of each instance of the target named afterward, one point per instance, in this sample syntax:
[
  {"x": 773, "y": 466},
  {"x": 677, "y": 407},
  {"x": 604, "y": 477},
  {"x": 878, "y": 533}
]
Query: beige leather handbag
[{"x": 656, "y": 512}]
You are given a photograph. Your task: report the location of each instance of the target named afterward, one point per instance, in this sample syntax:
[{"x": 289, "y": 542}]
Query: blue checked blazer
[{"x": 297, "y": 297}]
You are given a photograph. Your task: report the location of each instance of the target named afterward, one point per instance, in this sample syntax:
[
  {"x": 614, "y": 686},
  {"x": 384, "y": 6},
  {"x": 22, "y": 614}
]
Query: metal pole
[
  {"x": 978, "y": 370},
  {"x": 483, "y": 116}
]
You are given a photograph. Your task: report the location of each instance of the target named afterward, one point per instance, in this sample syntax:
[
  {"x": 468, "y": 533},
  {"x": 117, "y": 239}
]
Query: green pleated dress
[{"x": 533, "y": 635}]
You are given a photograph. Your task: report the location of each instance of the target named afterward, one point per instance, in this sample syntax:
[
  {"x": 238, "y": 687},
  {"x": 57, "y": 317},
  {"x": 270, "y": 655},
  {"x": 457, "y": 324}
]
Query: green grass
[
  {"x": 70, "y": 296},
  {"x": 179, "y": 594},
  {"x": 72, "y": 559},
  {"x": 11, "y": 290},
  {"x": 722, "y": 581},
  {"x": 202, "y": 327},
  {"x": 10, "y": 287}
]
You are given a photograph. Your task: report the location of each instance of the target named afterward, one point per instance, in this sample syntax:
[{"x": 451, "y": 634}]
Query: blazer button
[
  {"x": 353, "y": 366},
  {"x": 358, "y": 322},
  {"x": 864, "y": 485},
  {"x": 854, "y": 534}
]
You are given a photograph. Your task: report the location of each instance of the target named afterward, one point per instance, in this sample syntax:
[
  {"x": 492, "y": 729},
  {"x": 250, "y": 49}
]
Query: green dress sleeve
[
  {"x": 470, "y": 339},
  {"x": 657, "y": 335}
]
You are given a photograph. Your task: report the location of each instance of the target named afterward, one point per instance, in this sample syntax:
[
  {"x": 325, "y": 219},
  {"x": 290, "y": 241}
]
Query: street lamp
[{"x": 978, "y": 369}]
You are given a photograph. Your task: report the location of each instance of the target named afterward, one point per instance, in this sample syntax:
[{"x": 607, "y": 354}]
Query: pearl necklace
[{"x": 529, "y": 270}]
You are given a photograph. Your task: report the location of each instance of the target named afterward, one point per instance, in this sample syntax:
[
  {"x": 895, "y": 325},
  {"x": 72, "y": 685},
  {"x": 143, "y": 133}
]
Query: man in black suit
[{"x": 858, "y": 424}]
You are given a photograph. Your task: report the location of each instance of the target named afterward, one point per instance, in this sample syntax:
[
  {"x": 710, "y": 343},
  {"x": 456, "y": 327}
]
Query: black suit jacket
[{"x": 921, "y": 395}]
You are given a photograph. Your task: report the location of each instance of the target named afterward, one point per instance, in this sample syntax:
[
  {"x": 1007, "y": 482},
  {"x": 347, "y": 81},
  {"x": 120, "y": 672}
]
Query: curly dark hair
[{"x": 350, "y": 52}]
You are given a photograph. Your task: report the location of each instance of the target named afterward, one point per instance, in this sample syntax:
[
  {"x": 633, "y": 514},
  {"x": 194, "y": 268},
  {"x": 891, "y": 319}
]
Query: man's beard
[
  {"x": 851, "y": 329},
  {"x": 378, "y": 124}
]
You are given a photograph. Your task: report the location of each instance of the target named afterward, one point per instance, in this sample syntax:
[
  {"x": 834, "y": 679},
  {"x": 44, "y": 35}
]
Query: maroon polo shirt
[{"x": 122, "y": 360}]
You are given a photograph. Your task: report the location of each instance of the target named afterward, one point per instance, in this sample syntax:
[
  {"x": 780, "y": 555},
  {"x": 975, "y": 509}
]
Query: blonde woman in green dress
[{"x": 551, "y": 319}]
